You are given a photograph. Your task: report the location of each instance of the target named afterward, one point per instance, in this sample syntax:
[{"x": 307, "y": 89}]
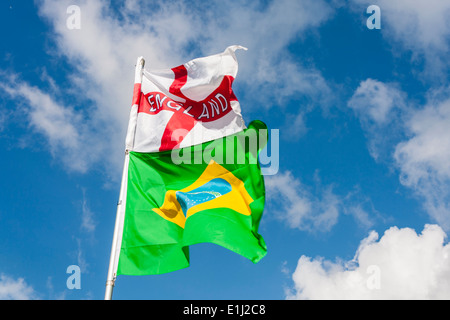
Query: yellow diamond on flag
[{"x": 215, "y": 188}]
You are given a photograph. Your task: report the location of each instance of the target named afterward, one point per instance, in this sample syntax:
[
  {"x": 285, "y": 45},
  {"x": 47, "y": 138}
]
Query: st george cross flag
[
  {"x": 191, "y": 172},
  {"x": 189, "y": 104}
]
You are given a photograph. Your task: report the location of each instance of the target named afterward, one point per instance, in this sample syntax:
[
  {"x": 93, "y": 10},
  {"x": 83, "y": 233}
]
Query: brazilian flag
[{"x": 207, "y": 193}]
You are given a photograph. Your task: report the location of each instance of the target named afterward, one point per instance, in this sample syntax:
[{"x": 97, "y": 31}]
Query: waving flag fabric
[
  {"x": 191, "y": 172},
  {"x": 186, "y": 105},
  {"x": 217, "y": 196}
]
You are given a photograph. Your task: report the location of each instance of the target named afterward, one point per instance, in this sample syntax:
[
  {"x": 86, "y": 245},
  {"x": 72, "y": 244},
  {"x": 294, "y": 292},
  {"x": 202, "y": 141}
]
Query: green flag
[{"x": 208, "y": 193}]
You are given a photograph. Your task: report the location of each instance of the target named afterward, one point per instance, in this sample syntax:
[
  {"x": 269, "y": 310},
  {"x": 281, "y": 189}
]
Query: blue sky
[{"x": 360, "y": 206}]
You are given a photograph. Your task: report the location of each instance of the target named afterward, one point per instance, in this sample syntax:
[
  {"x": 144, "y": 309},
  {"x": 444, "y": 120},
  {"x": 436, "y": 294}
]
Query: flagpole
[
  {"x": 112, "y": 262},
  {"x": 117, "y": 237}
]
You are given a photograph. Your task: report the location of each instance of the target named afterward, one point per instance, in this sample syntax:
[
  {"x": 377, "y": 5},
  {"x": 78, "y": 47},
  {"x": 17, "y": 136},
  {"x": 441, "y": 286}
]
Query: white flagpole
[
  {"x": 112, "y": 262},
  {"x": 118, "y": 227}
]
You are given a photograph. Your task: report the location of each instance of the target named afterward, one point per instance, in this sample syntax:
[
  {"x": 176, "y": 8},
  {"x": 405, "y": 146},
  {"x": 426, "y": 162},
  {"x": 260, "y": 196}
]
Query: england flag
[{"x": 186, "y": 105}]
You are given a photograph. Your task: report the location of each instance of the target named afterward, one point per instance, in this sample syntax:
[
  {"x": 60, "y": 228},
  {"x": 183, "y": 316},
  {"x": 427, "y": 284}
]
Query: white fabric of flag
[{"x": 186, "y": 105}]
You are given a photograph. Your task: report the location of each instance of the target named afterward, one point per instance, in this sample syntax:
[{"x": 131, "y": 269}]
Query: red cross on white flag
[{"x": 186, "y": 105}]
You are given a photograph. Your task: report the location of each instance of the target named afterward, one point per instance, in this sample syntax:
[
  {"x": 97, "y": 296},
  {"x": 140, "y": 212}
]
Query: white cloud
[
  {"x": 361, "y": 215},
  {"x": 81, "y": 259},
  {"x": 378, "y": 106},
  {"x": 423, "y": 159},
  {"x": 3, "y": 118},
  {"x": 59, "y": 124},
  {"x": 300, "y": 208},
  {"x": 419, "y": 27},
  {"x": 15, "y": 289},
  {"x": 416, "y": 137},
  {"x": 293, "y": 203},
  {"x": 374, "y": 101},
  {"x": 413, "y": 139},
  {"x": 401, "y": 265},
  {"x": 428, "y": 149},
  {"x": 88, "y": 223},
  {"x": 270, "y": 72}
]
